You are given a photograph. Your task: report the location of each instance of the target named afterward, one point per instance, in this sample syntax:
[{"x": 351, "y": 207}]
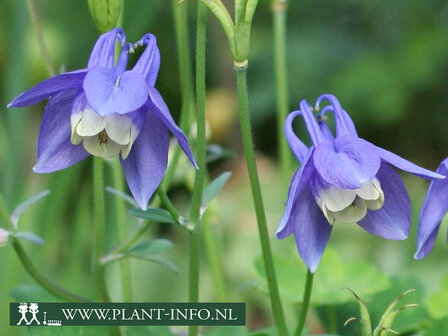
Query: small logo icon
[
  {"x": 34, "y": 309},
  {"x": 23, "y": 309}
]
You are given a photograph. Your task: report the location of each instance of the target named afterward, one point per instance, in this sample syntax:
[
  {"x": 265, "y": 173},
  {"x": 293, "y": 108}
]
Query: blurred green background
[{"x": 387, "y": 61}]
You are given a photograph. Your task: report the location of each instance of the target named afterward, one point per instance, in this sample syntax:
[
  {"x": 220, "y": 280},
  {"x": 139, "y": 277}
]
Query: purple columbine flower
[
  {"x": 433, "y": 210},
  {"x": 107, "y": 111},
  {"x": 345, "y": 179}
]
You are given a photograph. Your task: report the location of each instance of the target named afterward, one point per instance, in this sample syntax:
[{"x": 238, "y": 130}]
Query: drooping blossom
[
  {"x": 342, "y": 179},
  {"x": 108, "y": 111},
  {"x": 433, "y": 210}
]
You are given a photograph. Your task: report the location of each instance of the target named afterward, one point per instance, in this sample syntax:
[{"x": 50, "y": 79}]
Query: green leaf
[
  {"x": 32, "y": 293},
  {"x": 332, "y": 275},
  {"x": 105, "y": 13},
  {"x": 28, "y": 236},
  {"x": 22, "y": 207},
  {"x": 170, "y": 265},
  {"x": 214, "y": 188},
  {"x": 153, "y": 214},
  {"x": 437, "y": 302},
  {"x": 408, "y": 320},
  {"x": 150, "y": 247},
  {"x": 366, "y": 324}
]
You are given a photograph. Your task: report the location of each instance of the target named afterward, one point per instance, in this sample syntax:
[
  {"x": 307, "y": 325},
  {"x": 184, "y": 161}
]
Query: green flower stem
[
  {"x": 32, "y": 270},
  {"x": 120, "y": 217},
  {"x": 212, "y": 250},
  {"x": 305, "y": 303},
  {"x": 246, "y": 133},
  {"x": 100, "y": 228},
  {"x": 195, "y": 212},
  {"x": 281, "y": 80},
  {"x": 172, "y": 210},
  {"x": 40, "y": 37}
]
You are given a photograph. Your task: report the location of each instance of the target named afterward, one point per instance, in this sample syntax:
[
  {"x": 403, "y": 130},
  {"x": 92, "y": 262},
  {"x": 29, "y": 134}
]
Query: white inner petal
[
  {"x": 353, "y": 213},
  {"x": 350, "y": 205},
  {"x": 104, "y": 150},
  {"x": 91, "y": 123},
  {"x": 337, "y": 199},
  {"x": 103, "y": 136},
  {"x": 118, "y": 128},
  {"x": 368, "y": 191}
]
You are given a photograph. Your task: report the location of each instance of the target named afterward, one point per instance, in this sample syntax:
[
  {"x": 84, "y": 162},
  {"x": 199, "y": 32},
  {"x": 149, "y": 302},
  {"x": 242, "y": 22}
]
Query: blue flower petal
[
  {"x": 149, "y": 62},
  {"x": 158, "y": 106},
  {"x": 393, "y": 220},
  {"x": 55, "y": 151},
  {"x": 50, "y": 87},
  {"x": 433, "y": 210},
  {"x": 347, "y": 162},
  {"x": 299, "y": 149},
  {"x": 103, "y": 53},
  {"x": 145, "y": 166},
  {"x": 406, "y": 165},
  {"x": 310, "y": 228},
  {"x": 106, "y": 96},
  {"x": 299, "y": 182}
]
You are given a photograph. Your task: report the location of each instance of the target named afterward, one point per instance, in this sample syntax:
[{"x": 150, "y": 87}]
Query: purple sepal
[
  {"x": 49, "y": 87},
  {"x": 54, "y": 150},
  {"x": 393, "y": 220},
  {"x": 159, "y": 107},
  {"x": 433, "y": 210},
  {"x": 145, "y": 166}
]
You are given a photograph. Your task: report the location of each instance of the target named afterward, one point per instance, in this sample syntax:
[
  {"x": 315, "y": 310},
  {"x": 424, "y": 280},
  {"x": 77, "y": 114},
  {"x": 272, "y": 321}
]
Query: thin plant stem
[
  {"x": 120, "y": 216},
  {"x": 195, "y": 235},
  {"x": 32, "y": 270},
  {"x": 333, "y": 319},
  {"x": 100, "y": 228},
  {"x": 281, "y": 85},
  {"x": 211, "y": 247},
  {"x": 186, "y": 80},
  {"x": 305, "y": 303},
  {"x": 40, "y": 37},
  {"x": 246, "y": 134}
]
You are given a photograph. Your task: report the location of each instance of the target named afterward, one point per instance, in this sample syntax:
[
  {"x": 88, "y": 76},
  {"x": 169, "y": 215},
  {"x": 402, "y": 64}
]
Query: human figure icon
[
  {"x": 23, "y": 309},
  {"x": 34, "y": 309}
]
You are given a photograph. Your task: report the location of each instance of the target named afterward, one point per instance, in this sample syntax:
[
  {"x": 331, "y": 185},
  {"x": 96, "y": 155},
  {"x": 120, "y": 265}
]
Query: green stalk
[
  {"x": 100, "y": 228},
  {"x": 281, "y": 80},
  {"x": 186, "y": 80},
  {"x": 40, "y": 37},
  {"x": 212, "y": 250},
  {"x": 120, "y": 215},
  {"x": 305, "y": 303},
  {"x": 32, "y": 270},
  {"x": 246, "y": 133},
  {"x": 195, "y": 235}
]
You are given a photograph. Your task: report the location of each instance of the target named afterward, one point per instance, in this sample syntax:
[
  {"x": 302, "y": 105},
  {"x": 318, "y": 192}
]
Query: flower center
[
  {"x": 350, "y": 205},
  {"x": 103, "y": 136}
]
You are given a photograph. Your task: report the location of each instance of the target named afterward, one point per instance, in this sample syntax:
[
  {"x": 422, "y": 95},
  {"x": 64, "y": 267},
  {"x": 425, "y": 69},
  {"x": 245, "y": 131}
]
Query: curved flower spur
[
  {"x": 345, "y": 179},
  {"x": 108, "y": 111}
]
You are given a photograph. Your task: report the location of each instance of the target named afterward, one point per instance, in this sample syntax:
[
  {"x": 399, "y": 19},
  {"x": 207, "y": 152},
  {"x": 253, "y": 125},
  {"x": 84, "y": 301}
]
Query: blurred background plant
[{"x": 386, "y": 61}]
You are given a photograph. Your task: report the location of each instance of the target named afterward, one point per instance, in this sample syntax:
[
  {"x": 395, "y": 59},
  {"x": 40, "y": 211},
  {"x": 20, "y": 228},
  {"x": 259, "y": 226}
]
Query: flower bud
[
  {"x": 105, "y": 13},
  {"x": 3, "y": 237}
]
